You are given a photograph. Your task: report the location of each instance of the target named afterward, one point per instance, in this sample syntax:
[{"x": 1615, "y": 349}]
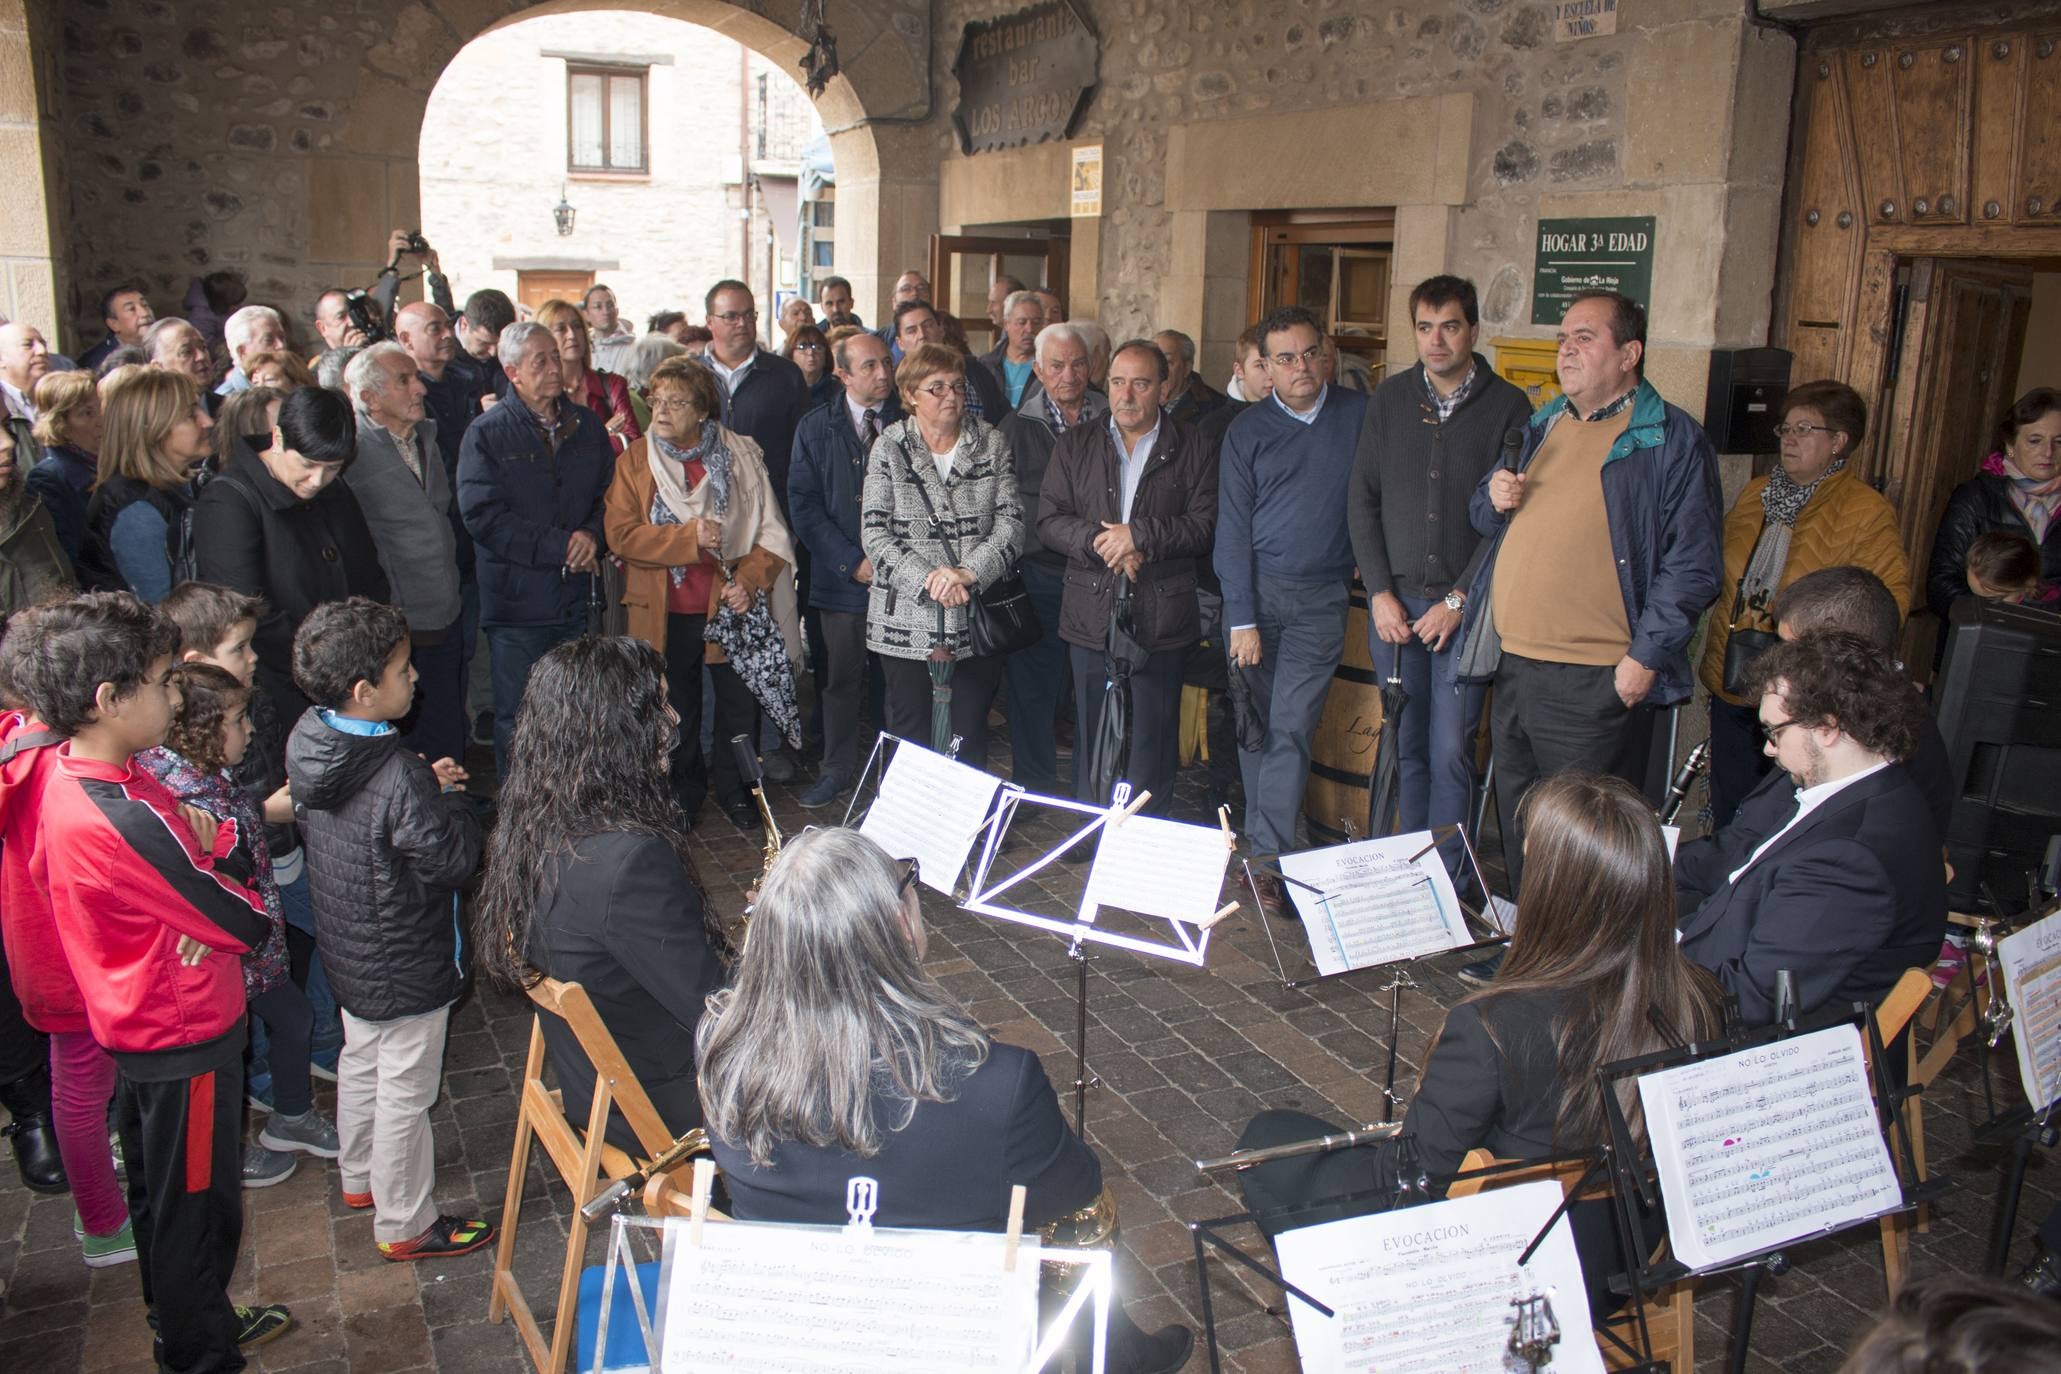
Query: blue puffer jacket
[
  {"x": 1666, "y": 508},
  {"x": 521, "y": 503}
]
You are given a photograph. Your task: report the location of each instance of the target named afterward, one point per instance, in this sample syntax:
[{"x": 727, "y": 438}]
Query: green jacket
[{"x": 32, "y": 563}]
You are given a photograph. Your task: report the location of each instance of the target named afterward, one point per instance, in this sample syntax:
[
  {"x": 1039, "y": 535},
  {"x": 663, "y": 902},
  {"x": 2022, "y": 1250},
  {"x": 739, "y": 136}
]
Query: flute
[{"x": 1343, "y": 1140}]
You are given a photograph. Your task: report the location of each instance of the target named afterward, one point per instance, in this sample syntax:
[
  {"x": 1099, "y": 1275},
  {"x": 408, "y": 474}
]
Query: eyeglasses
[
  {"x": 911, "y": 872},
  {"x": 808, "y": 348},
  {"x": 937, "y": 391},
  {"x": 1772, "y": 733},
  {"x": 1308, "y": 357},
  {"x": 1789, "y": 431},
  {"x": 737, "y": 317},
  {"x": 669, "y": 404}
]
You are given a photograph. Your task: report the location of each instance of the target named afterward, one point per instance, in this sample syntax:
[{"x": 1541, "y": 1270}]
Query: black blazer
[
  {"x": 620, "y": 917},
  {"x": 1848, "y": 899},
  {"x": 949, "y": 1169},
  {"x": 252, "y": 534}
]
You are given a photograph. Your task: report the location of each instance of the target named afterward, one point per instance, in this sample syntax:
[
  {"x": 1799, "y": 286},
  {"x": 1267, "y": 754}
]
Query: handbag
[
  {"x": 1000, "y": 618},
  {"x": 1742, "y": 647}
]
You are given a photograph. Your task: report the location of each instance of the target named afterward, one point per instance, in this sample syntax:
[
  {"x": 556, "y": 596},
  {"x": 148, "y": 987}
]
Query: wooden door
[
  {"x": 534, "y": 288},
  {"x": 960, "y": 262}
]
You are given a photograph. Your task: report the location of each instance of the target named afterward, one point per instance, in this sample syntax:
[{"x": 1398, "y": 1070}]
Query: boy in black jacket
[{"x": 388, "y": 841}]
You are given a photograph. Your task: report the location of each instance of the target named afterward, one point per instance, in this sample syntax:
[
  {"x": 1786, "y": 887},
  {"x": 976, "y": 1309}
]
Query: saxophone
[
  {"x": 755, "y": 778},
  {"x": 1093, "y": 1227}
]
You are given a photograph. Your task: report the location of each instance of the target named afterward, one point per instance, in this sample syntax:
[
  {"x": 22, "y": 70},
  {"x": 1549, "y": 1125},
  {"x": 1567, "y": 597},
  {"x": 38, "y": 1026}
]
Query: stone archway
[{"x": 282, "y": 141}]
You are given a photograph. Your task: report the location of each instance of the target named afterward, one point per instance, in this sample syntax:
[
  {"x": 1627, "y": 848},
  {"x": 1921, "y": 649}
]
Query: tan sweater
[{"x": 1555, "y": 594}]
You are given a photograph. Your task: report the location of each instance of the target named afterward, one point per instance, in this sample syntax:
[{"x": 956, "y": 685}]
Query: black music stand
[
  {"x": 1209, "y": 1234},
  {"x": 1636, "y": 1175}
]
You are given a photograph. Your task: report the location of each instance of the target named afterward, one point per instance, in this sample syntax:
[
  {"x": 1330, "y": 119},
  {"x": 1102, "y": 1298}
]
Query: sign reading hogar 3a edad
[{"x": 1590, "y": 255}]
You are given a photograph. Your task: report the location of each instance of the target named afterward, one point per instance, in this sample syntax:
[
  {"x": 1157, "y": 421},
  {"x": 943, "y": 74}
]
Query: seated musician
[
  {"x": 1835, "y": 876},
  {"x": 588, "y": 879},
  {"x": 835, "y": 1054},
  {"x": 1514, "y": 1069}
]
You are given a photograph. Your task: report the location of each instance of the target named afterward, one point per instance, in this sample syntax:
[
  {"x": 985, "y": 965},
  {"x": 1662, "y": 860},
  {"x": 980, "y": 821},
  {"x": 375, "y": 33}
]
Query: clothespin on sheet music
[
  {"x": 704, "y": 1181},
  {"x": 1224, "y": 820},
  {"x": 1219, "y": 914},
  {"x": 1123, "y": 806},
  {"x": 1014, "y": 1236},
  {"x": 861, "y": 1201}
]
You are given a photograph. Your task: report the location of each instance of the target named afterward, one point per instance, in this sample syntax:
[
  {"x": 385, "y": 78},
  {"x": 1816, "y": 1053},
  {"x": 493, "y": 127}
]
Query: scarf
[
  {"x": 669, "y": 475},
  {"x": 2037, "y": 510},
  {"x": 1781, "y": 501}
]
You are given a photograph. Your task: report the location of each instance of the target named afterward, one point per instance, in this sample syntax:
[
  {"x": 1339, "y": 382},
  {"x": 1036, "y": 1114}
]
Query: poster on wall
[
  {"x": 1577, "y": 255},
  {"x": 1574, "y": 19},
  {"x": 1084, "y": 195}
]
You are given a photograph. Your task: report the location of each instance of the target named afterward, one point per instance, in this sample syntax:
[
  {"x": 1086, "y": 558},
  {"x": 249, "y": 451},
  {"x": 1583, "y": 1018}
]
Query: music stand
[
  {"x": 1636, "y": 1173},
  {"x": 1209, "y": 1234}
]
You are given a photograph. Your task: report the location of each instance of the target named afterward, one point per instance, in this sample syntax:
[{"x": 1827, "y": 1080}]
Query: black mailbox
[{"x": 1744, "y": 402}]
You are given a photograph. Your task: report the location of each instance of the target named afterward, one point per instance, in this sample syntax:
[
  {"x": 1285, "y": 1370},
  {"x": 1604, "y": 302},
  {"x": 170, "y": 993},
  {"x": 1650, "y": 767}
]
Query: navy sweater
[{"x": 1281, "y": 499}]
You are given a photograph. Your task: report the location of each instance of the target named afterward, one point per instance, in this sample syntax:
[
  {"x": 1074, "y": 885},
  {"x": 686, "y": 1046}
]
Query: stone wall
[{"x": 494, "y": 157}]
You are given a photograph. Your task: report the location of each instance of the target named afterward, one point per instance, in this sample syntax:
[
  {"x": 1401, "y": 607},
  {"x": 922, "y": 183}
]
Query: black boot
[{"x": 27, "y": 1100}]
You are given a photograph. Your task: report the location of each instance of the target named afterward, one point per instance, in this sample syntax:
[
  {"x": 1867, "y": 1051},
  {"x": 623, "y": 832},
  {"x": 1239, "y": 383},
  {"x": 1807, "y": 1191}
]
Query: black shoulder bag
[{"x": 1000, "y": 619}]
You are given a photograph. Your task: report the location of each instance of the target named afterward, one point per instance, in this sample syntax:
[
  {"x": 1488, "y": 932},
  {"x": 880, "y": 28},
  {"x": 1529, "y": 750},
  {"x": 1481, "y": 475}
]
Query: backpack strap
[{"x": 30, "y": 739}]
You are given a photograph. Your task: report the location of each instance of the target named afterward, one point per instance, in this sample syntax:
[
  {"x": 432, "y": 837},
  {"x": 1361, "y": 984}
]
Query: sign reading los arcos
[
  {"x": 1590, "y": 255},
  {"x": 1025, "y": 78}
]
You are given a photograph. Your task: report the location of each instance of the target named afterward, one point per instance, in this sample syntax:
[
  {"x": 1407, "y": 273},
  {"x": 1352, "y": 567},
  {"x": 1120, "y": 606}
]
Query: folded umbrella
[
  {"x": 752, "y": 642},
  {"x": 1109, "y": 754},
  {"x": 941, "y": 665},
  {"x": 1385, "y": 782},
  {"x": 1245, "y": 712}
]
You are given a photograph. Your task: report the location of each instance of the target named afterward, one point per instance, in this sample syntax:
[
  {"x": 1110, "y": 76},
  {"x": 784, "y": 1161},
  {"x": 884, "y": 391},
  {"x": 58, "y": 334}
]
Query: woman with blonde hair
[
  {"x": 692, "y": 515},
  {"x": 604, "y": 393},
  {"x": 282, "y": 372},
  {"x": 1592, "y": 974},
  {"x": 68, "y": 428},
  {"x": 155, "y": 435}
]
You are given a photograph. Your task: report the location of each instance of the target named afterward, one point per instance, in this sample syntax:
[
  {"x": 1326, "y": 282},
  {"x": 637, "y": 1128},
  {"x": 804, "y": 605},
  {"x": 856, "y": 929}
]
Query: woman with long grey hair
[{"x": 835, "y": 1054}]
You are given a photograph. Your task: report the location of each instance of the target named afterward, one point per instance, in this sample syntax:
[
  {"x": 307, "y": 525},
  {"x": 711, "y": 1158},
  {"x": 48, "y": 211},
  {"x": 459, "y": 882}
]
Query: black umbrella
[
  {"x": 941, "y": 665},
  {"x": 1246, "y": 721},
  {"x": 752, "y": 641},
  {"x": 1381, "y": 787},
  {"x": 1109, "y": 755}
]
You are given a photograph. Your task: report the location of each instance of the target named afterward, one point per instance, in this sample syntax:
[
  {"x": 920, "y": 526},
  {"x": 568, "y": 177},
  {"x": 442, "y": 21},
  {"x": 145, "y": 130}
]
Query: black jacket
[
  {"x": 98, "y": 566},
  {"x": 1850, "y": 897},
  {"x": 453, "y": 402},
  {"x": 767, "y": 406},
  {"x": 1173, "y": 523},
  {"x": 252, "y": 534},
  {"x": 949, "y": 1169},
  {"x": 824, "y": 486},
  {"x": 1032, "y": 438},
  {"x": 621, "y": 917},
  {"x": 1415, "y": 474},
  {"x": 1197, "y": 400},
  {"x": 1981, "y": 505},
  {"x": 386, "y": 850},
  {"x": 521, "y": 503}
]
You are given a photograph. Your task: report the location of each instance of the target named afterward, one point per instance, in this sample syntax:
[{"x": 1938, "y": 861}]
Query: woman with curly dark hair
[{"x": 587, "y": 874}]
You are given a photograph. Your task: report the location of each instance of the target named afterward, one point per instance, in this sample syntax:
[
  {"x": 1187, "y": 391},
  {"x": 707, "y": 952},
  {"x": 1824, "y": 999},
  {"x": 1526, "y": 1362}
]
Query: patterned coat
[
  {"x": 982, "y": 517},
  {"x": 265, "y": 966}
]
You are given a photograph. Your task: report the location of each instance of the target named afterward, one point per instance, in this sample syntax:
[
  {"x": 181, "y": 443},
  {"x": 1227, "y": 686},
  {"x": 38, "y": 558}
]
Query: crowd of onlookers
[{"x": 249, "y": 583}]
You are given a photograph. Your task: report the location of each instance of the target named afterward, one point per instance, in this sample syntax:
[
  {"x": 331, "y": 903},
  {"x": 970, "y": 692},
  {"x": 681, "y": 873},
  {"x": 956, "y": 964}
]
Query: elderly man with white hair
[
  {"x": 173, "y": 345},
  {"x": 24, "y": 361},
  {"x": 1037, "y": 676},
  {"x": 404, "y": 489},
  {"x": 251, "y": 330},
  {"x": 1013, "y": 359}
]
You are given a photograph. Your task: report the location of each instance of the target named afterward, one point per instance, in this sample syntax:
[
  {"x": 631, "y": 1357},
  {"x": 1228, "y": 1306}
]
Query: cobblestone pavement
[{"x": 1185, "y": 1055}]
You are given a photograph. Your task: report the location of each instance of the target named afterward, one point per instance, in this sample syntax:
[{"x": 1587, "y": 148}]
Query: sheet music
[
  {"x": 1767, "y": 1145},
  {"x": 1378, "y": 906},
  {"x": 760, "y": 1298},
  {"x": 929, "y": 809},
  {"x": 2031, "y": 964},
  {"x": 1427, "y": 1290},
  {"x": 1159, "y": 868}
]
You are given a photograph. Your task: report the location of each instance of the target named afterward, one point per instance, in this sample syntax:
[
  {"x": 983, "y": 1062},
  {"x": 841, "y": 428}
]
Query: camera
[
  {"x": 415, "y": 243},
  {"x": 364, "y": 315}
]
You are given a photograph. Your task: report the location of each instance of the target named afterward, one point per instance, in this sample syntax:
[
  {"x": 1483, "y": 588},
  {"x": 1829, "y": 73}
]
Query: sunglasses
[{"x": 911, "y": 872}]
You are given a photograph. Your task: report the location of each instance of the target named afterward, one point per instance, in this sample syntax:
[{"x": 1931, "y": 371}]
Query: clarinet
[{"x": 1685, "y": 778}]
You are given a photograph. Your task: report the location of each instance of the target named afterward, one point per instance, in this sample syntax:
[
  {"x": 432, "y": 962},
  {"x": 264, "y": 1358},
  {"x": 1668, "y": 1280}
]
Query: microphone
[{"x": 1513, "y": 444}]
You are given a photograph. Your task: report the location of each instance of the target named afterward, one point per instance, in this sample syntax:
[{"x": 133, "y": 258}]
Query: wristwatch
[{"x": 1455, "y": 601}]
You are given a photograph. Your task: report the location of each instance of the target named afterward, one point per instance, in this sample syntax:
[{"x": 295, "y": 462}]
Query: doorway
[
  {"x": 964, "y": 266},
  {"x": 532, "y": 289},
  {"x": 1337, "y": 265}
]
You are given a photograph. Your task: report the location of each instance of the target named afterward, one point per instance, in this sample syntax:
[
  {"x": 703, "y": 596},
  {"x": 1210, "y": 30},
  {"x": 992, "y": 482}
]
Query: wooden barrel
[{"x": 1342, "y": 752}]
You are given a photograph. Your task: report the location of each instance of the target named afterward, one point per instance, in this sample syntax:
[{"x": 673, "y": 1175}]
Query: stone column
[{"x": 29, "y": 291}]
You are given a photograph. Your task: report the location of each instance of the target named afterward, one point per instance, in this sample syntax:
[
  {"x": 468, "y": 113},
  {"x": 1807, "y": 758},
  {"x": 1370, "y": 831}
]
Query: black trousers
[
  {"x": 1550, "y": 717},
  {"x": 289, "y": 1026},
  {"x": 182, "y": 1143},
  {"x": 737, "y": 713},
  {"x": 23, "y": 1048},
  {"x": 1738, "y": 760},
  {"x": 1155, "y": 752},
  {"x": 841, "y": 689},
  {"x": 973, "y": 684}
]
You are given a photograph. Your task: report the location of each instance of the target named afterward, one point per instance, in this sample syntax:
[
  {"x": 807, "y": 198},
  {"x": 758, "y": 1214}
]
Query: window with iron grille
[{"x": 606, "y": 124}]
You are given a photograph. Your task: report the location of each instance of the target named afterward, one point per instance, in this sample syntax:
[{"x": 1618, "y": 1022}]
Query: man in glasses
[
  {"x": 764, "y": 397},
  {"x": 1286, "y": 562},
  {"x": 1604, "y": 552},
  {"x": 1837, "y": 877}
]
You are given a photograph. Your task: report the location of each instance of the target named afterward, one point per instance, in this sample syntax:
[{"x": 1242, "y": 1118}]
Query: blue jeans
[
  {"x": 512, "y": 650},
  {"x": 1302, "y": 637},
  {"x": 1435, "y": 740},
  {"x": 1037, "y": 678},
  {"x": 325, "y": 1034}
]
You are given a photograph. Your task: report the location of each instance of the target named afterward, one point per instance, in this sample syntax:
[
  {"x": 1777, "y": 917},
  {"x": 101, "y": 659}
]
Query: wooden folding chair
[
  {"x": 1670, "y": 1315},
  {"x": 1893, "y": 1018},
  {"x": 584, "y": 1159}
]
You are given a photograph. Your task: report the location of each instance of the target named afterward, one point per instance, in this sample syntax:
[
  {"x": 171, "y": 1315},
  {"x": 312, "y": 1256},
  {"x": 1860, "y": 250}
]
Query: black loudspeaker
[{"x": 1744, "y": 402}]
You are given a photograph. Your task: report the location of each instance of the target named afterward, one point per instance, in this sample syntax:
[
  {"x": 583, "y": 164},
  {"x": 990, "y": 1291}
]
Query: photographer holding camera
[{"x": 353, "y": 319}]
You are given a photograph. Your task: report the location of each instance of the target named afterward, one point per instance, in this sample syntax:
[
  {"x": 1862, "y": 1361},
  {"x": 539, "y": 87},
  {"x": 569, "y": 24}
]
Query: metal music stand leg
[
  {"x": 1742, "y": 1321},
  {"x": 2005, "y": 1220},
  {"x": 1081, "y": 1079}
]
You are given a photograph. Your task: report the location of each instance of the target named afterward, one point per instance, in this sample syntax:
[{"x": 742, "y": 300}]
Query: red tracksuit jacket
[
  {"x": 43, "y": 982},
  {"x": 127, "y": 879}
]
